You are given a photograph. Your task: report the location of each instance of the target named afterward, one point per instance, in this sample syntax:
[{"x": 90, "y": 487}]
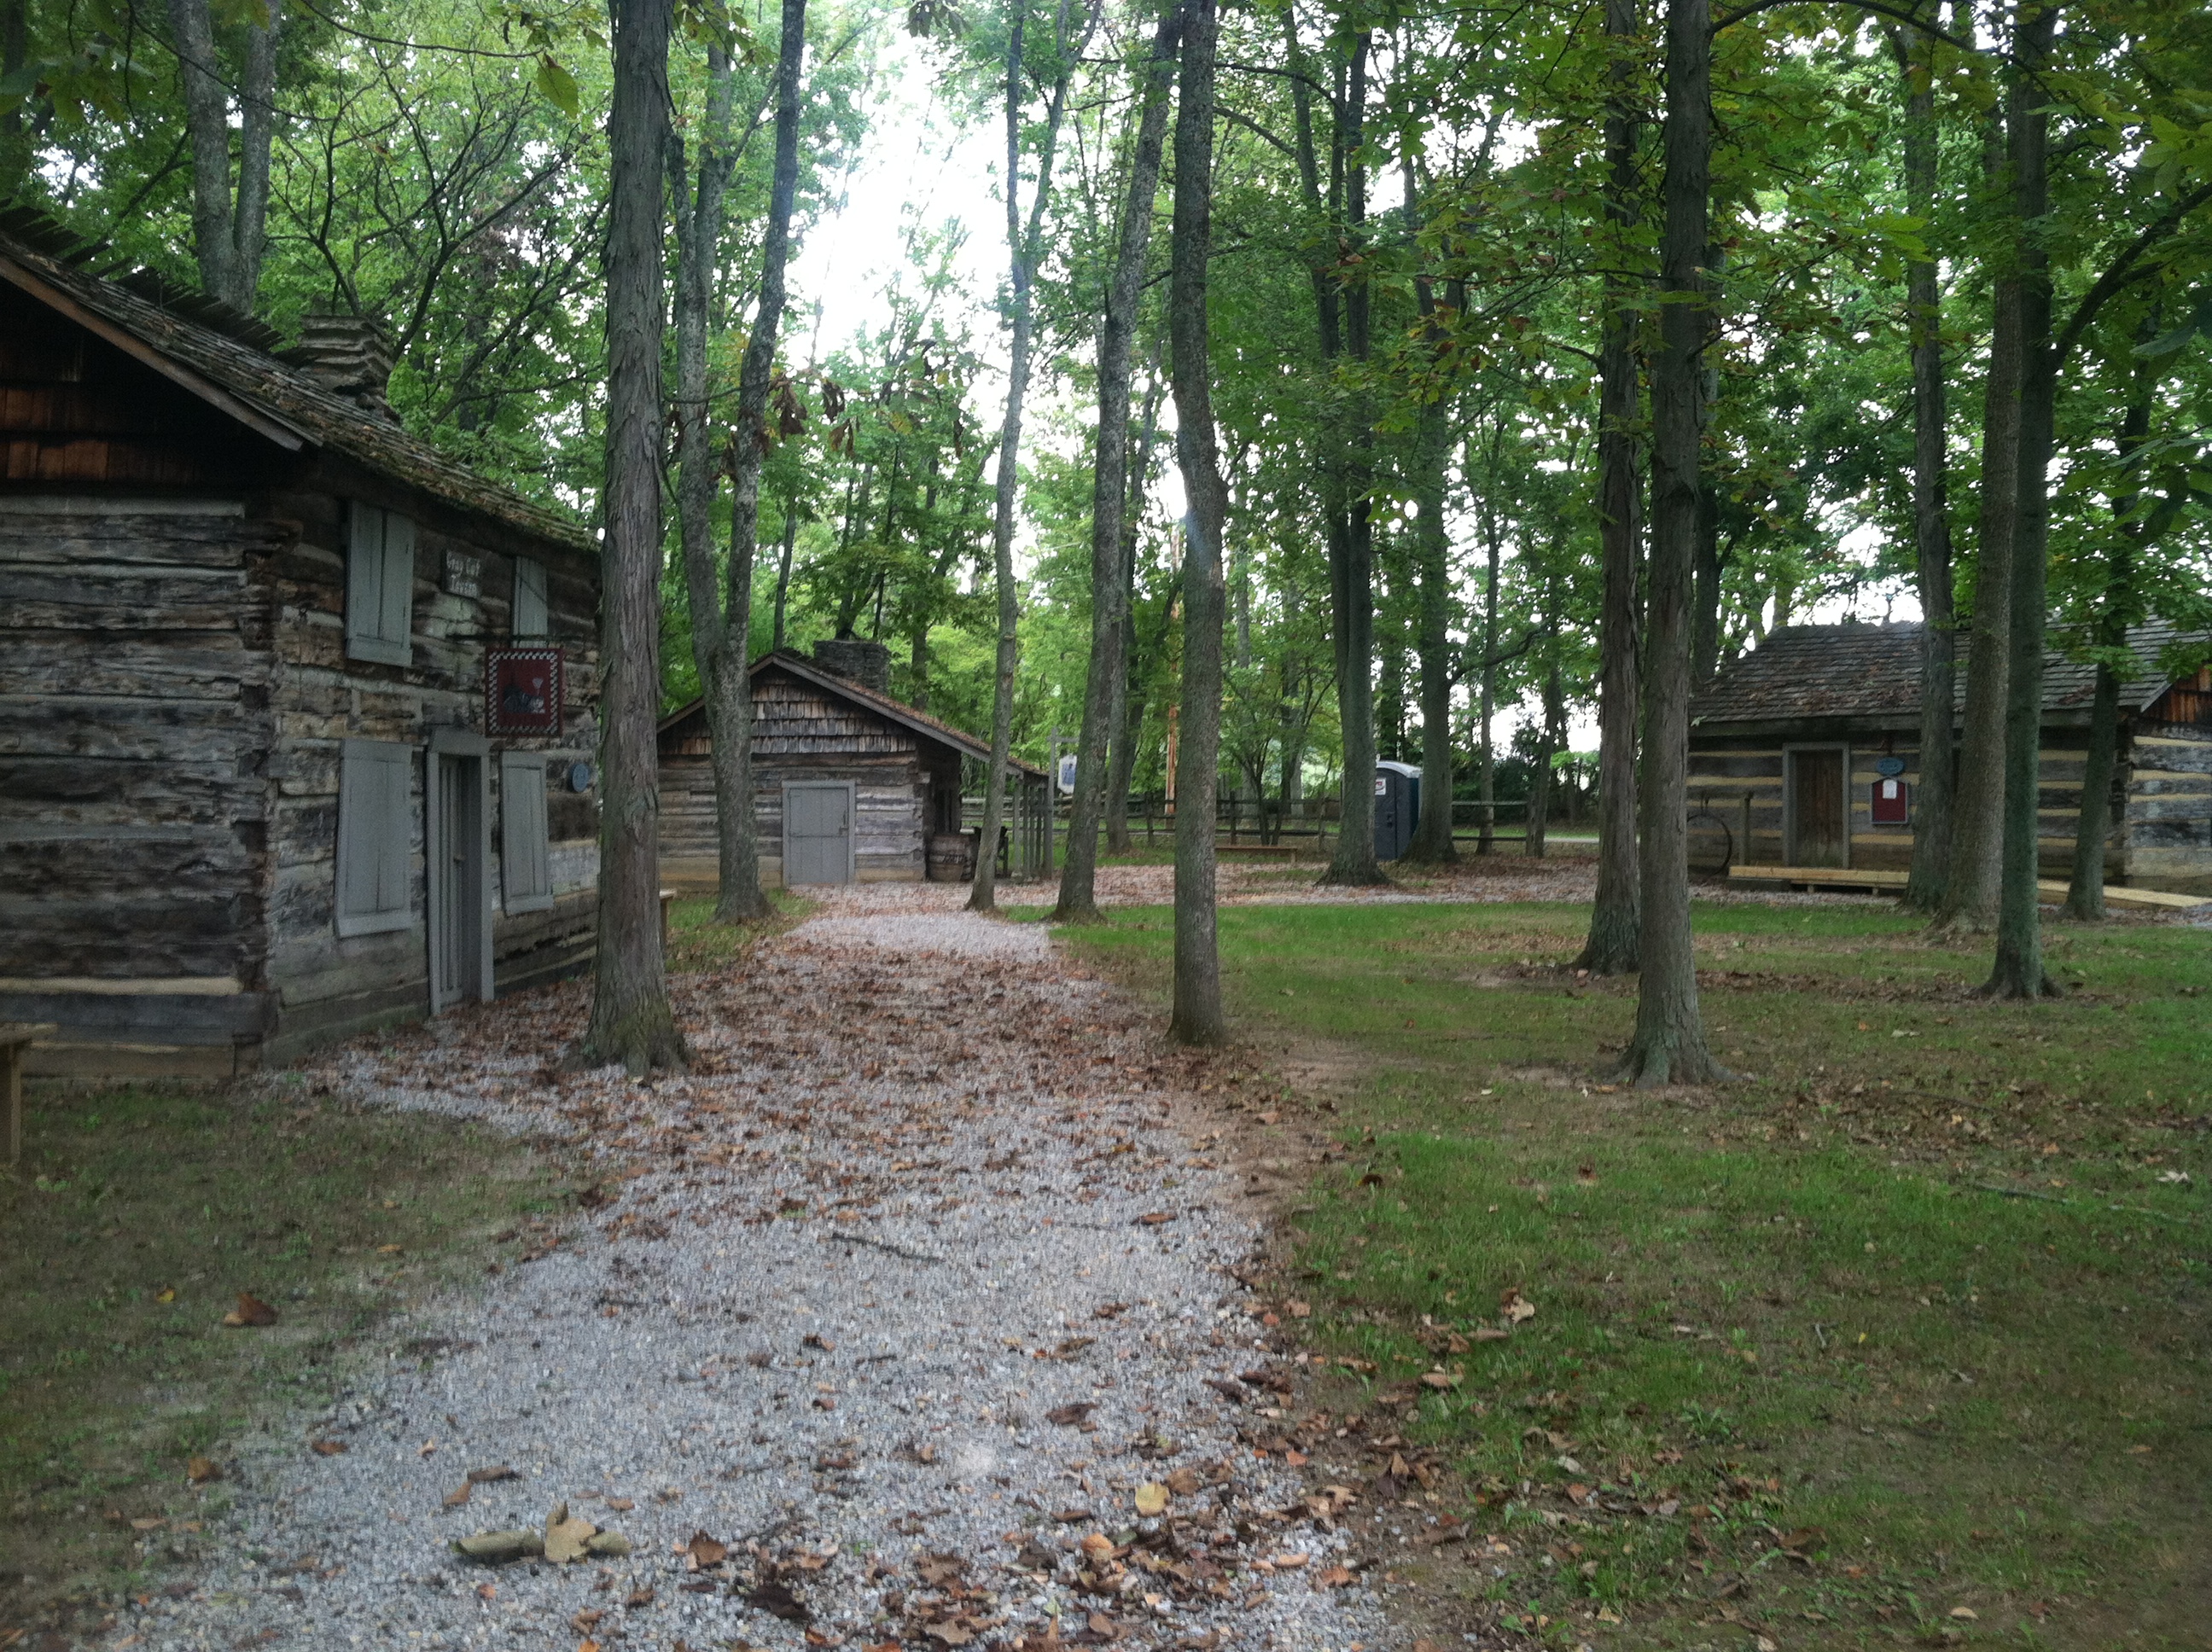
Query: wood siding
[{"x": 2161, "y": 804}]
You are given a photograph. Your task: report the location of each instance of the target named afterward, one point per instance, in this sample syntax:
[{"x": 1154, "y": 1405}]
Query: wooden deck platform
[{"x": 1883, "y": 881}]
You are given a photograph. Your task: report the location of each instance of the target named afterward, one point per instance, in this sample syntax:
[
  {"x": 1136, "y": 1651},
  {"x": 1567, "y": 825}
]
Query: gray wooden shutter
[
  {"x": 399, "y": 585},
  {"x": 375, "y": 846},
  {"x": 528, "y": 616},
  {"x": 526, "y": 871},
  {"x": 379, "y": 586}
]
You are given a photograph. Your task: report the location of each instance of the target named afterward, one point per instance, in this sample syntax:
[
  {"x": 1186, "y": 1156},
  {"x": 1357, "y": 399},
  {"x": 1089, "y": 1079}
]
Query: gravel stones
[{"x": 865, "y": 1309}]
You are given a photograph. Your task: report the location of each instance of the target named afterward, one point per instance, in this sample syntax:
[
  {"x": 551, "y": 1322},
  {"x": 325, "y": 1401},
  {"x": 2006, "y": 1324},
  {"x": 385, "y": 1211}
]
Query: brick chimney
[
  {"x": 868, "y": 664},
  {"x": 349, "y": 356}
]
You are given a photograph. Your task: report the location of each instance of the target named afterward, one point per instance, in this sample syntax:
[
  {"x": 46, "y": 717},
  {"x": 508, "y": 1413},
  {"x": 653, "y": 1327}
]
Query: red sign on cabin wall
[
  {"x": 522, "y": 690},
  {"x": 1892, "y": 803}
]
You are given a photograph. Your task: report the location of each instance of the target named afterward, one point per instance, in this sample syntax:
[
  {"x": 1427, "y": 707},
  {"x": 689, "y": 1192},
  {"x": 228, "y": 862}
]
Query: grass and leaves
[
  {"x": 139, "y": 1215},
  {"x": 1905, "y": 1333}
]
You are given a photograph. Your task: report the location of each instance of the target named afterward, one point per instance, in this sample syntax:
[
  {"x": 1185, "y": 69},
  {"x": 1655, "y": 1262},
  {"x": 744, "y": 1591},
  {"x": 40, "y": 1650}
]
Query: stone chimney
[
  {"x": 349, "y": 356},
  {"x": 868, "y": 664}
]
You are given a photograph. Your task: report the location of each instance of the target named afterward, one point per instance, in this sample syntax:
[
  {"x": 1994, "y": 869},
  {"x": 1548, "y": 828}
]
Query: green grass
[
  {"x": 696, "y": 942},
  {"x": 139, "y": 1214},
  {"x": 1914, "y": 1296}
]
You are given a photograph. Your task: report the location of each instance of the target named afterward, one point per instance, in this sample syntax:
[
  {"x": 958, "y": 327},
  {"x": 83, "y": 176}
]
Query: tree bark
[
  {"x": 1669, "y": 1044},
  {"x": 1351, "y": 522},
  {"x": 1486, "y": 777},
  {"x": 2085, "y": 892},
  {"x": 1126, "y": 724},
  {"x": 2017, "y": 970},
  {"x": 1022, "y": 250},
  {"x": 230, "y": 228},
  {"x": 1970, "y": 893},
  {"x": 783, "y": 571},
  {"x": 1106, "y": 681},
  {"x": 631, "y": 1022},
  {"x": 1432, "y": 842},
  {"x": 1931, "y": 512},
  {"x": 1198, "y": 1017},
  {"x": 1610, "y": 948},
  {"x": 1555, "y": 721}
]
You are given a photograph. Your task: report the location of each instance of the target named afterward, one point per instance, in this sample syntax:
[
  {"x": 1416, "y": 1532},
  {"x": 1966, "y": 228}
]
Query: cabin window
[
  {"x": 375, "y": 847},
  {"x": 525, "y": 872},
  {"x": 527, "y": 618},
  {"x": 380, "y": 610}
]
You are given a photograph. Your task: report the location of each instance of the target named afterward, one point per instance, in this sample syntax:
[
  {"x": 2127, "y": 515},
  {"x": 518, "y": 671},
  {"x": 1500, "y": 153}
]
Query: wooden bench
[{"x": 16, "y": 1037}]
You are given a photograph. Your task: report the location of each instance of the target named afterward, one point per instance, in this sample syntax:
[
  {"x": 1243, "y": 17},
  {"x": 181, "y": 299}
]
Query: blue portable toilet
[{"x": 1397, "y": 807}]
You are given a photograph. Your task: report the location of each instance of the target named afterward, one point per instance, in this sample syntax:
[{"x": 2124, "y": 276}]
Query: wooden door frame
[
  {"x": 852, "y": 824},
  {"x": 469, "y": 748},
  {"x": 1789, "y": 750}
]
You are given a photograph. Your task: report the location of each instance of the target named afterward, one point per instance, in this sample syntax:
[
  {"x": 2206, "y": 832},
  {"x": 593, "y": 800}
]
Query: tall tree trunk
[
  {"x": 631, "y": 1022},
  {"x": 1670, "y": 1045},
  {"x": 1023, "y": 251},
  {"x": 1610, "y": 949},
  {"x": 1970, "y": 894},
  {"x": 1432, "y": 827},
  {"x": 1485, "y": 778},
  {"x": 1931, "y": 510},
  {"x": 1126, "y": 721},
  {"x": 2085, "y": 893},
  {"x": 1555, "y": 724},
  {"x": 783, "y": 570},
  {"x": 1197, "y": 1018},
  {"x": 2017, "y": 970},
  {"x": 1106, "y": 683},
  {"x": 230, "y": 227},
  {"x": 741, "y": 897}
]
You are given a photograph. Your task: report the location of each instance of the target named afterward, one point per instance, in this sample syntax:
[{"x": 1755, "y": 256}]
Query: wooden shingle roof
[
  {"x": 1806, "y": 672},
  {"x": 225, "y": 360}
]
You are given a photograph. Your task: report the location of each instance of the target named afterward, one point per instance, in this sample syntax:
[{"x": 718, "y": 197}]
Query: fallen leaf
[
  {"x": 621, "y": 1505},
  {"x": 1289, "y": 1562},
  {"x": 1184, "y": 1481},
  {"x": 1335, "y": 1577},
  {"x": 1152, "y": 1498},
  {"x": 811, "y": 1341},
  {"x": 167, "y": 1293},
  {"x": 328, "y": 1448},
  {"x": 1967, "y": 1612},
  {"x": 250, "y": 1310},
  {"x": 1072, "y": 1415},
  {"x": 1439, "y": 1379},
  {"x": 565, "y": 1537},
  {"x": 200, "y": 1470},
  {"x": 1154, "y": 1218},
  {"x": 703, "y": 1550},
  {"x": 637, "y": 1597},
  {"x": 1517, "y": 1307},
  {"x": 1298, "y": 1310},
  {"x": 148, "y": 1525},
  {"x": 486, "y": 1476},
  {"x": 1491, "y": 1333},
  {"x": 460, "y": 1494}
]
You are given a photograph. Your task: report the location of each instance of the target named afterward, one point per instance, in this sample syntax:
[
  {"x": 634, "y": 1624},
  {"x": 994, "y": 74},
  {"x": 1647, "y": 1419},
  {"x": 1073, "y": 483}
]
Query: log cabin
[
  {"x": 1804, "y": 752},
  {"x": 849, "y": 785},
  {"x": 297, "y": 714}
]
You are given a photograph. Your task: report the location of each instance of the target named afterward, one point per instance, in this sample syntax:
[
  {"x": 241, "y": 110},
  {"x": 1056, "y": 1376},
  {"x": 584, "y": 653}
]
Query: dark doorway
[
  {"x": 1818, "y": 830},
  {"x": 457, "y": 847}
]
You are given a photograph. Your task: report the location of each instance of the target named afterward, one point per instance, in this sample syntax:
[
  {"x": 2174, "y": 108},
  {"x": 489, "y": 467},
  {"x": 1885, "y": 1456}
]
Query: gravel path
[{"x": 896, "y": 1317}]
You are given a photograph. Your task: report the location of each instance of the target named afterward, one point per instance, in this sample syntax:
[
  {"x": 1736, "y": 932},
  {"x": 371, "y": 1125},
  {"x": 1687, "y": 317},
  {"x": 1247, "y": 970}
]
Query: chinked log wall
[
  {"x": 330, "y": 985},
  {"x": 2161, "y": 836},
  {"x": 800, "y": 733}
]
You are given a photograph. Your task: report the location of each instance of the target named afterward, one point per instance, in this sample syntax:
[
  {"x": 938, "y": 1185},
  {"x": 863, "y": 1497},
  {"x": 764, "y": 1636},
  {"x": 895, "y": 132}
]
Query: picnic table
[{"x": 16, "y": 1037}]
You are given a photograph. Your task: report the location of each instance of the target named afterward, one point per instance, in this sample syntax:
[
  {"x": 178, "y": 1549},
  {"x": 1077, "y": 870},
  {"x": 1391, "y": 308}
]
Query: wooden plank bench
[
  {"x": 1883, "y": 880},
  {"x": 16, "y": 1037}
]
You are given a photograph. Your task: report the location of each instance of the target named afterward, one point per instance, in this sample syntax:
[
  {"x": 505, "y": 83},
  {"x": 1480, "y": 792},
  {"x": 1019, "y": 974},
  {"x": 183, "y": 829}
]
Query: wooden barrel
[{"x": 951, "y": 858}]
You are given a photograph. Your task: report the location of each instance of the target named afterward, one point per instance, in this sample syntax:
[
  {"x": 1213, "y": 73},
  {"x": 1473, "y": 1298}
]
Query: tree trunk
[
  {"x": 230, "y": 229},
  {"x": 1432, "y": 842},
  {"x": 1611, "y": 946},
  {"x": 1485, "y": 780},
  {"x": 631, "y": 1022},
  {"x": 1705, "y": 575},
  {"x": 1126, "y": 723},
  {"x": 1022, "y": 250},
  {"x": 2085, "y": 893},
  {"x": 1555, "y": 723},
  {"x": 741, "y": 897},
  {"x": 1198, "y": 1018},
  {"x": 1970, "y": 894},
  {"x": 1106, "y": 683},
  {"x": 1670, "y": 1045},
  {"x": 1931, "y": 511},
  {"x": 783, "y": 570},
  {"x": 2017, "y": 971}
]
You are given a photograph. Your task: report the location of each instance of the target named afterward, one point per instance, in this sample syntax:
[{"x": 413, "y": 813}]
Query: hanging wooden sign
[{"x": 522, "y": 690}]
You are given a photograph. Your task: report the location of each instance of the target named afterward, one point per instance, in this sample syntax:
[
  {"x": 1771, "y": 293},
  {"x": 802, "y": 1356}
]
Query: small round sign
[
  {"x": 1889, "y": 766},
  {"x": 580, "y": 776}
]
